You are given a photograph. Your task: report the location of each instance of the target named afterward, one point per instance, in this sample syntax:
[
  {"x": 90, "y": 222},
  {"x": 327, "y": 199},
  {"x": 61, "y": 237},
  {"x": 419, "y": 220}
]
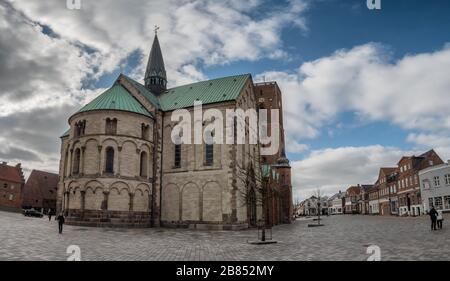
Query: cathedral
[{"x": 120, "y": 168}]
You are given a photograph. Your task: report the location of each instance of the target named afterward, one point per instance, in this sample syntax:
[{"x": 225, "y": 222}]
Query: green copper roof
[
  {"x": 116, "y": 98},
  {"x": 152, "y": 98},
  {"x": 210, "y": 91},
  {"x": 265, "y": 170},
  {"x": 66, "y": 133}
]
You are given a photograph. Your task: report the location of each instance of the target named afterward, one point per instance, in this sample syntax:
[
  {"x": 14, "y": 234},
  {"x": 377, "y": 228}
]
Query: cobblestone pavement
[{"x": 342, "y": 238}]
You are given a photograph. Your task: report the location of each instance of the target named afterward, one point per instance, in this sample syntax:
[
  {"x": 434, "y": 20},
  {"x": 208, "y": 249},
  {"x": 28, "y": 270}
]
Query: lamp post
[{"x": 318, "y": 211}]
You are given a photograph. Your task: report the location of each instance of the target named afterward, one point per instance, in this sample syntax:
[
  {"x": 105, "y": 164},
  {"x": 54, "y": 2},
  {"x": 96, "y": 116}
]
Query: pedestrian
[
  {"x": 433, "y": 217},
  {"x": 439, "y": 219},
  {"x": 60, "y": 222},
  {"x": 49, "y": 215}
]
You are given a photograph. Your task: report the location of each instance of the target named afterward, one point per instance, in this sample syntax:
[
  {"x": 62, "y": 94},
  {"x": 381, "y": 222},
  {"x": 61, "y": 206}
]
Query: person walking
[
  {"x": 60, "y": 220},
  {"x": 433, "y": 217},
  {"x": 439, "y": 219},
  {"x": 49, "y": 215}
]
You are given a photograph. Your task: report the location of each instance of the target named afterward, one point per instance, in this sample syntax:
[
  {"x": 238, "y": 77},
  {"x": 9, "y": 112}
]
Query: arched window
[
  {"x": 76, "y": 162},
  {"x": 109, "y": 163},
  {"x": 111, "y": 126},
  {"x": 177, "y": 160},
  {"x": 209, "y": 154},
  {"x": 143, "y": 167},
  {"x": 209, "y": 149},
  {"x": 80, "y": 127}
]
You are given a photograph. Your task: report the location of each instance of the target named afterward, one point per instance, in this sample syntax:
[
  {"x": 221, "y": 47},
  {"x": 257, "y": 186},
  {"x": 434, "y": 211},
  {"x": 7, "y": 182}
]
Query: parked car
[{"x": 32, "y": 213}]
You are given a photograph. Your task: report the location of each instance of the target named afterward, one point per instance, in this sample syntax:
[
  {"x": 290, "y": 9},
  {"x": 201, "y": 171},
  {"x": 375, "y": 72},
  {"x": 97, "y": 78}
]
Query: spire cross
[{"x": 156, "y": 29}]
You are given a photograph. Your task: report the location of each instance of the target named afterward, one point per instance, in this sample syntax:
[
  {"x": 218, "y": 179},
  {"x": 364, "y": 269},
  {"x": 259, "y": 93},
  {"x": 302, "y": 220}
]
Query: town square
[{"x": 342, "y": 238}]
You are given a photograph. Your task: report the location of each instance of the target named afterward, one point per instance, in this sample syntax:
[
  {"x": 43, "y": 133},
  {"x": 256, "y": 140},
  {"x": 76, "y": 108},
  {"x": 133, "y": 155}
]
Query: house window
[
  {"x": 438, "y": 202},
  {"x": 447, "y": 202},
  {"x": 430, "y": 203},
  {"x": 5, "y": 185},
  {"x": 430, "y": 162},
  {"x": 111, "y": 126},
  {"x": 447, "y": 179},
  {"x": 177, "y": 160},
  {"x": 109, "y": 163},
  {"x": 76, "y": 162},
  {"x": 143, "y": 169},
  {"x": 11, "y": 197},
  {"x": 436, "y": 181},
  {"x": 426, "y": 184}
]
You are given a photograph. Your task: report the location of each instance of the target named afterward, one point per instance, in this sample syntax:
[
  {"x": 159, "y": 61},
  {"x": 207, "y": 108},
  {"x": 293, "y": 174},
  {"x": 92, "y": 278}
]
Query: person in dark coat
[
  {"x": 433, "y": 216},
  {"x": 49, "y": 215},
  {"x": 60, "y": 220}
]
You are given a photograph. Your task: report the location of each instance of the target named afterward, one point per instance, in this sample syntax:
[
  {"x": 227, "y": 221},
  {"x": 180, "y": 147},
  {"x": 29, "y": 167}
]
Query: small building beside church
[
  {"x": 40, "y": 191},
  {"x": 120, "y": 166}
]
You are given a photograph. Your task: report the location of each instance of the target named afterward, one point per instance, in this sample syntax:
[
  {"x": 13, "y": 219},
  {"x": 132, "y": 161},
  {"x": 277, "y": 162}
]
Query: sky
[{"x": 361, "y": 87}]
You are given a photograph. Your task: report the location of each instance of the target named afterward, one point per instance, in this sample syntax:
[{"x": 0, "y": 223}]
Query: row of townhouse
[{"x": 410, "y": 188}]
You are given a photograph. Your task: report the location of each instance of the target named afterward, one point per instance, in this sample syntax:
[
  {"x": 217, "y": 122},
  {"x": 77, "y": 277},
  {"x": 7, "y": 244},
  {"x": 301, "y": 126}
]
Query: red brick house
[
  {"x": 40, "y": 191},
  {"x": 384, "y": 183},
  {"x": 11, "y": 187},
  {"x": 352, "y": 199},
  {"x": 410, "y": 201}
]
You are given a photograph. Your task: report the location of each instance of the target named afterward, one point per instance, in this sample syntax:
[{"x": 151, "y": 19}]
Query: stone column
[
  {"x": 119, "y": 150},
  {"x": 70, "y": 162},
  {"x": 83, "y": 201},
  {"x": 68, "y": 203},
  {"x": 104, "y": 206},
  {"x": 99, "y": 169},
  {"x": 83, "y": 148},
  {"x": 138, "y": 162},
  {"x": 131, "y": 195}
]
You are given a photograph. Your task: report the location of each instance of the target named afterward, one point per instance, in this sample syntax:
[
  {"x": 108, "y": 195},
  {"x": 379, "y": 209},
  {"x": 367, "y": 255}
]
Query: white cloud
[
  {"x": 411, "y": 92},
  {"x": 438, "y": 141},
  {"x": 295, "y": 147},
  {"x": 192, "y": 32},
  {"x": 335, "y": 169}
]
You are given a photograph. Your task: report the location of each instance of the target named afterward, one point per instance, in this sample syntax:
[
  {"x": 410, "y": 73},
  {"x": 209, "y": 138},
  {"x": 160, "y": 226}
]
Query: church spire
[{"x": 155, "y": 75}]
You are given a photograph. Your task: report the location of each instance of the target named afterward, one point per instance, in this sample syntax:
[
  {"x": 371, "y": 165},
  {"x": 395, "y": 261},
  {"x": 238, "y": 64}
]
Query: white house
[
  {"x": 435, "y": 187},
  {"x": 335, "y": 204}
]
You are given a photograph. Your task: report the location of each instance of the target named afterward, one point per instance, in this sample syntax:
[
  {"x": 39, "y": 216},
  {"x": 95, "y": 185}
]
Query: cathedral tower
[{"x": 155, "y": 74}]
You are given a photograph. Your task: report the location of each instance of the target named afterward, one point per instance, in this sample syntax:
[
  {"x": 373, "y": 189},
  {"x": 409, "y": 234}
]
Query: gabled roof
[
  {"x": 11, "y": 173},
  {"x": 40, "y": 185},
  {"x": 151, "y": 97},
  {"x": 116, "y": 98},
  {"x": 209, "y": 91}
]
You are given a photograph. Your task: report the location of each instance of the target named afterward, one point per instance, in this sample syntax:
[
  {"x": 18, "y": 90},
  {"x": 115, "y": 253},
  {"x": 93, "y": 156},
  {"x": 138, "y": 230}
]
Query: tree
[{"x": 257, "y": 191}]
